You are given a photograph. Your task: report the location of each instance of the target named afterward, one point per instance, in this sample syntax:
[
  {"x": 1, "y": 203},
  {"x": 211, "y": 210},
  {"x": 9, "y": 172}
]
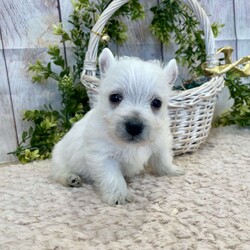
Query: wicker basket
[{"x": 191, "y": 111}]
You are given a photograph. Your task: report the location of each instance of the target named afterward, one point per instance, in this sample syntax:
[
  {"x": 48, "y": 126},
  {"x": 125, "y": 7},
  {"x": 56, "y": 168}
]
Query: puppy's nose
[{"x": 134, "y": 127}]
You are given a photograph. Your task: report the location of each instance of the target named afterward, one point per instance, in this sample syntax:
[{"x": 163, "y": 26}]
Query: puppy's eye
[
  {"x": 115, "y": 98},
  {"x": 156, "y": 103}
]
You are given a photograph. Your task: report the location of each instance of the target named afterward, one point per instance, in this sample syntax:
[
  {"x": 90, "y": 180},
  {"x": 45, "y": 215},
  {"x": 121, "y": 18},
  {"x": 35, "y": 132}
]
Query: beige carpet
[{"x": 208, "y": 208}]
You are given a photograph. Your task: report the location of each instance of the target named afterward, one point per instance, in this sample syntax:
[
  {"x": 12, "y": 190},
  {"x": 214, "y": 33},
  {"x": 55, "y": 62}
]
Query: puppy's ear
[
  {"x": 171, "y": 71},
  {"x": 106, "y": 59}
]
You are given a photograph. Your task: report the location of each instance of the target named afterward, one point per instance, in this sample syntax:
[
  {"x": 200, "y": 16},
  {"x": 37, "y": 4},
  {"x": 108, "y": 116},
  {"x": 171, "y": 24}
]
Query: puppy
[{"x": 126, "y": 130}]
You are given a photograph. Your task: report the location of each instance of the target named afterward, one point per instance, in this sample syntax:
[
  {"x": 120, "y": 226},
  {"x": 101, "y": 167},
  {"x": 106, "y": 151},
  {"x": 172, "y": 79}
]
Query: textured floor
[{"x": 208, "y": 208}]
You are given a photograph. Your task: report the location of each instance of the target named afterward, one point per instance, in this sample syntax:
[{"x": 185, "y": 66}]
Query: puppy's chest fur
[{"x": 133, "y": 159}]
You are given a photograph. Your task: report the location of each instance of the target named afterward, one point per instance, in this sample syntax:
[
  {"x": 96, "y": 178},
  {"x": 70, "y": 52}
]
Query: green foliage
[
  {"x": 49, "y": 124},
  {"x": 117, "y": 29},
  {"x": 239, "y": 113},
  {"x": 174, "y": 20}
]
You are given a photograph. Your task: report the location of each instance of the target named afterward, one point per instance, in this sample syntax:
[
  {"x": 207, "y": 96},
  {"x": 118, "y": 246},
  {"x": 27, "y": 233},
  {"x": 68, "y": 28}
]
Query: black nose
[{"x": 134, "y": 127}]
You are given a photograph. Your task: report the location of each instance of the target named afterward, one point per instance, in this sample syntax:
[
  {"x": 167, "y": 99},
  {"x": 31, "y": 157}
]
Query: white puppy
[{"x": 126, "y": 130}]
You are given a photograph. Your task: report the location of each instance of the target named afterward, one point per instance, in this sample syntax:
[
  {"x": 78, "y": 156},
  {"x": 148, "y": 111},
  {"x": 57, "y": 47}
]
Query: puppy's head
[{"x": 134, "y": 96}]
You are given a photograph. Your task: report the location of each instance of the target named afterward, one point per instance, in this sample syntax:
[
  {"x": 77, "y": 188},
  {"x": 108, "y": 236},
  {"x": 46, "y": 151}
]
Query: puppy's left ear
[
  {"x": 171, "y": 71},
  {"x": 106, "y": 59}
]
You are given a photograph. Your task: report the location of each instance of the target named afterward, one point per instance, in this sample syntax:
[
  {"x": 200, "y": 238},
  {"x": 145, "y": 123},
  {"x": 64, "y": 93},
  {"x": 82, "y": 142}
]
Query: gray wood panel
[
  {"x": 8, "y": 141},
  {"x": 28, "y": 24},
  {"x": 223, "y": 12},
  {"x": 140, "y": 41},
  {"x": 66, "y": 9},
  {"x": 27, "y": 32},
  {"x": 242, "y": 20},
  {"x": 25, "y": 94}
]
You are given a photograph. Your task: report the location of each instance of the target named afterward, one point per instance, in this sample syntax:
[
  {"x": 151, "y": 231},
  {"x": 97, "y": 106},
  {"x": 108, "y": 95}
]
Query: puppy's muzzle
[
  {"x": 133, "y": 130},
  {"x": 134, "y": 127}
]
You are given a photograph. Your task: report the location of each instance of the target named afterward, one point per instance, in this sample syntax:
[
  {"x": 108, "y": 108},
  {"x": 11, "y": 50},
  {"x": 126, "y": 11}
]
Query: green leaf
[
  {"x": 24, "y": 135},
  {"x": 31, "y": 131}
]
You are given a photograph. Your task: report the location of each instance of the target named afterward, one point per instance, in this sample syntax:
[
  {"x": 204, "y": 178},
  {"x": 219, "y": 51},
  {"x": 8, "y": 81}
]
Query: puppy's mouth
[
  {"x": 133, "y": 139},
  {"x": 132, "y": 130}
]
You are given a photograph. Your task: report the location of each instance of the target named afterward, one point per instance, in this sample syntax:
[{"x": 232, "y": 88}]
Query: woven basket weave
[{"x": 191, "y": 111}]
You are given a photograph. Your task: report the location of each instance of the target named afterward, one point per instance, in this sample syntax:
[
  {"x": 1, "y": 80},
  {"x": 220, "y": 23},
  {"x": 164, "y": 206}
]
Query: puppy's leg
[
  {"x": 108, "y": 179},
  {"x": 162, "y": 163}
]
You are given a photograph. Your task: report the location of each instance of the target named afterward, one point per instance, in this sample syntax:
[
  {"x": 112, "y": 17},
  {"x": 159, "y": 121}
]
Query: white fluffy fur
[{"x": 94, "y": 150}]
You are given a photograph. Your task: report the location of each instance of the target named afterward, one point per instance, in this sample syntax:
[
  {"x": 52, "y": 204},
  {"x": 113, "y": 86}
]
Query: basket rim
[
  {"x": 190, "y": 97},
  {"x": 202, "y": 86}
]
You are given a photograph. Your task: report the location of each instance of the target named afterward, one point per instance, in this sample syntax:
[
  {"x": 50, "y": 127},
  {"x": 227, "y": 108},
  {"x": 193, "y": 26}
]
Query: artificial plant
[
  {"x": 239, "y": 113},
  {"x": 174, "y": 20}
]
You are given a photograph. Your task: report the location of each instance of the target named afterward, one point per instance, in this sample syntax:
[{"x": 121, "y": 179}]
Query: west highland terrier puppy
[{"x": 127, "y": 129}]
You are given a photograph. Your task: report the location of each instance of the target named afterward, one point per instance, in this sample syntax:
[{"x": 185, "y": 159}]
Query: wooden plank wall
[
  {"x": 26, "y": 32},
  {"x": 26, "y": 28}
]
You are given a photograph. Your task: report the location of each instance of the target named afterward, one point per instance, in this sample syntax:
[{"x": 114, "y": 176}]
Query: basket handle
[{"x": 89, "y": 66}]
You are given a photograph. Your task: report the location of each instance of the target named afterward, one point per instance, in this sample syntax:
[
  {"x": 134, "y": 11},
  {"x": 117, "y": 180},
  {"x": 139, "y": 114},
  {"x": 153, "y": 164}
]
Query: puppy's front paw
[
  {"x": 117, "y": 199},
  {"x": 175, "y": 170},
  {"x": 128, "y": 198},
  {"x": 172, "y": 170},
  {"x": 74, "y": 180}
]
